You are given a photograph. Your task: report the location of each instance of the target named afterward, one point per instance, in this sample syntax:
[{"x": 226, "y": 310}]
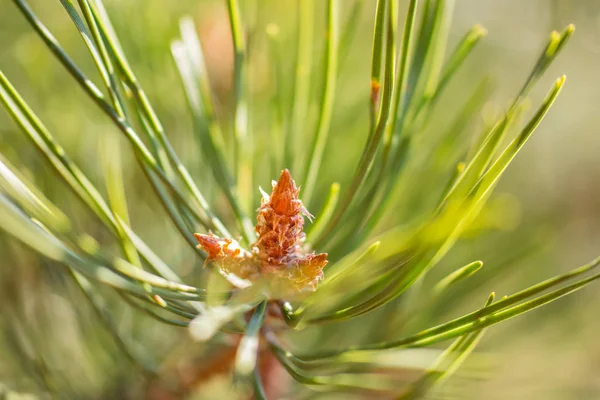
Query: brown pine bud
[
  {"x": 280, "y": 223},
  {"x": 277, "y": 254}
]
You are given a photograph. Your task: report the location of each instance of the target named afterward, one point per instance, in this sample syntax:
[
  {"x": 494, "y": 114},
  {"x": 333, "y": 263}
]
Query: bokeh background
[{"x": 549, "y": 199}]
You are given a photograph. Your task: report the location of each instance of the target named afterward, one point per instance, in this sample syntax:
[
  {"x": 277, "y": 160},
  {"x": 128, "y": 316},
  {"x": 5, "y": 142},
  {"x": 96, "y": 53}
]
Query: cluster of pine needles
[{"x": 370, "y": 263}]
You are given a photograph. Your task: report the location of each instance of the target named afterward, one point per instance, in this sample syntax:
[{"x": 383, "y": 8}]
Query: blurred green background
[{"x": 548, "y": 201}]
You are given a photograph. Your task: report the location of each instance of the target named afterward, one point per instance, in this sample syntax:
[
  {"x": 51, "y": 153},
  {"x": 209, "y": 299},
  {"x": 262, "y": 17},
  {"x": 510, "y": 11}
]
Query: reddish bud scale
[
  {"x": 228, "y": 256},
  {"x": 277, "y": 253},
  {"x": 375, "y": 86}
]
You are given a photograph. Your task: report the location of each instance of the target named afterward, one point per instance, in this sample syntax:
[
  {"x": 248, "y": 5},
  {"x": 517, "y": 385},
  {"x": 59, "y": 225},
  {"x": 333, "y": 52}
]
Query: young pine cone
[{"x": 277, "y": 254}]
